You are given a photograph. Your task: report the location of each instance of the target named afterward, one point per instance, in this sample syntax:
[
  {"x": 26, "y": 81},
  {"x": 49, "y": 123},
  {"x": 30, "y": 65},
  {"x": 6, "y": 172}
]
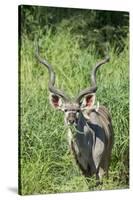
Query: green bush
[{"x": 90, "y": 27}]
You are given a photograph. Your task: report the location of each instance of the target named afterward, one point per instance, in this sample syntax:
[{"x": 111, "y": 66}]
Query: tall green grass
[{"x": 46, "y": 165}]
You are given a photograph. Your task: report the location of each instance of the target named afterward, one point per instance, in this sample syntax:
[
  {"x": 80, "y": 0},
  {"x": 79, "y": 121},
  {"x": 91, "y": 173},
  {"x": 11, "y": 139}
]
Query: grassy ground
[{"x": 46, "y": 165}]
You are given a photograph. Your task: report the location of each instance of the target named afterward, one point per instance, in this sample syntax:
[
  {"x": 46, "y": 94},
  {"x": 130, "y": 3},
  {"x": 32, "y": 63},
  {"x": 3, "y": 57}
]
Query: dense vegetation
[{"x": 72, "y": 40}]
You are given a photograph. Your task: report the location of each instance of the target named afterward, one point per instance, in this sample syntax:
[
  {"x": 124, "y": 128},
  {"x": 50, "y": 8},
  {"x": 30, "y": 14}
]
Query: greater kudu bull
[{"x": 91, "y": 136}]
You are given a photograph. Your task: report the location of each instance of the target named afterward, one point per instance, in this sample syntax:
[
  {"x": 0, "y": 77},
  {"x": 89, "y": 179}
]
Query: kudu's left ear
[
  {"x": 55, "y": 101},
  {"x": 88, "y": 101}
]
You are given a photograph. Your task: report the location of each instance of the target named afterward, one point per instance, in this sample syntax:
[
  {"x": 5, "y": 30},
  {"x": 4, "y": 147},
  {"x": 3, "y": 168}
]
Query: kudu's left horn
[{"x": 93, "y": 87}]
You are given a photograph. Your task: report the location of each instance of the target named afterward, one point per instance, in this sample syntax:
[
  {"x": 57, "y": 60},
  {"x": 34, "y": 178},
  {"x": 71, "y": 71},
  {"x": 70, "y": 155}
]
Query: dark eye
[
  {"x": 80, "y": 103},
  {"x": 65, "y": 110}
]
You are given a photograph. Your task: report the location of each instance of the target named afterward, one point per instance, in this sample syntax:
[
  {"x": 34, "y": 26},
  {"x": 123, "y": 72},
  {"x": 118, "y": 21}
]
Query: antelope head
[{"x": 83, "y": 102}]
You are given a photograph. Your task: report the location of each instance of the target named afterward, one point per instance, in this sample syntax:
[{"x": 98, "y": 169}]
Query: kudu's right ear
[{"x": 56, "y": 101}]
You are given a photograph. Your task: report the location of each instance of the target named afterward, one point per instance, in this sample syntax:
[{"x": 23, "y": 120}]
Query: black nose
[{"x": 71, "y": 121}]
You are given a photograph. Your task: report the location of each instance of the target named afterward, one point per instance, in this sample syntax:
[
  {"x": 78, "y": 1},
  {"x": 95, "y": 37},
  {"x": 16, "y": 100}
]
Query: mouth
[{"x": 71, "y": 123}]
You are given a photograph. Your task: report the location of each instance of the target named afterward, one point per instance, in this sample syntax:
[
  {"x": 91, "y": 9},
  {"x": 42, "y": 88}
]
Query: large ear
[
  {"x": 88, "y": 101},
  {"x": 56, "y": 101}
]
